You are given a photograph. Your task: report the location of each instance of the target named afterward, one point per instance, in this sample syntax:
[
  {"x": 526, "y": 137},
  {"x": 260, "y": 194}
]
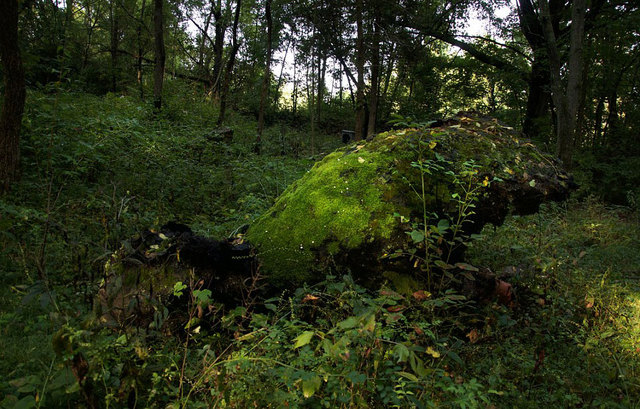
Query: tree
[
  {"x": 360, "y": 61},
  {"x": 235, "y": 45},
  {"x": 266, "y": 79},
  {"x": 14, "y": 94},
  {"x": 375, "y": 74},
  {"x": 160, "y": 55},
  {"x": 566, "y": 98}
]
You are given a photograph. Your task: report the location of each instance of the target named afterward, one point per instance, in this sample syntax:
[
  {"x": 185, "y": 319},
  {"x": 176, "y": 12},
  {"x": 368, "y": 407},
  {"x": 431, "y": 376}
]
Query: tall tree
[
  {"x": 218, "y": 46},
  {"x": 160, "y": 55},
  {"x": 14, "y": 94},
  {"x": 114, "y": 23},
  {"x": 566, "y": 98},
  {"x": 266, "y": 79},
  {"x": 375, "y": 75},
  {"x": 140, "y": 52},
  {"x": 235, "y": 45},
  {"x": 360, "y": 61}
]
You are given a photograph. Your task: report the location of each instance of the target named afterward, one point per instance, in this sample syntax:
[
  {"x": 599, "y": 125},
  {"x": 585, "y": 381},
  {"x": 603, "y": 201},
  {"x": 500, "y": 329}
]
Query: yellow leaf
[
  {"x": 433, "y": 352},
  {"x": 360, "y": 159},
  {"x": 432, "y": 144}
]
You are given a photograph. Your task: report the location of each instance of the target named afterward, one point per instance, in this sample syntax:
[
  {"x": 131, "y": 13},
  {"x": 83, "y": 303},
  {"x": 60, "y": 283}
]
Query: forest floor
[{"x": 98, "y": 170}]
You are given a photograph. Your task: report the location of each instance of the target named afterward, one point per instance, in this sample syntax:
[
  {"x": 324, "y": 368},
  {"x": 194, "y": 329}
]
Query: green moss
[
  {"x": 338, "y": 204},
  {"x": 349, "y": 198}
]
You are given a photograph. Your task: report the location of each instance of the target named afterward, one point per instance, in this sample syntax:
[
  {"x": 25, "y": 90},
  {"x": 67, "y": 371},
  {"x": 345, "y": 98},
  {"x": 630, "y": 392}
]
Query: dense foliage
[
  {"x": 120, "y": 116},
  {"x": 98, "y": 169}
]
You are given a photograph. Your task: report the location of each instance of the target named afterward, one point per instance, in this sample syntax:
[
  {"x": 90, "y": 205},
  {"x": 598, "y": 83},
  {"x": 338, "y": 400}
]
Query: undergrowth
[{"x": 98, "y": 169}]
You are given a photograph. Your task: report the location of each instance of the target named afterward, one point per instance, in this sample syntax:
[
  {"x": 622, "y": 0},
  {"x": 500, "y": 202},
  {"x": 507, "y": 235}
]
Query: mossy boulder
[{"x": 362, "y": 202}]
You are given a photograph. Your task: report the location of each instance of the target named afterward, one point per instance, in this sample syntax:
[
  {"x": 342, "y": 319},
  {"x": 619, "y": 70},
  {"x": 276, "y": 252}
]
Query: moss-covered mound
[{"x": 371, "y": 199}]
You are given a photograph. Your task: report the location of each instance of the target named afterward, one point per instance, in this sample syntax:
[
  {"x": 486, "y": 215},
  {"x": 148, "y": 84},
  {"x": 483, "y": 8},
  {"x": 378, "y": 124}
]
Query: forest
[{"x": 319, "y": 204}]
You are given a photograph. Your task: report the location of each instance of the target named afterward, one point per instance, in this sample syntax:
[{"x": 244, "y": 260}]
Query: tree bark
[
  {"x": 322, "y": 69},
  {"x": 360, "y": 60},
  {"x": 566, "y": 99},
  {"x": 224, "y": 91},
  {"x": 160, "y": 56},
  {"x": 537, "y": 101},
  {"x": 114, "y": 43},
  {"x": 218, "y": 47},
  {"x": 140, "y": 56},
  {"x": 14, "y": 95},
  {"x": 266, "y": 79},
  {"x": 375, "y": 78}
]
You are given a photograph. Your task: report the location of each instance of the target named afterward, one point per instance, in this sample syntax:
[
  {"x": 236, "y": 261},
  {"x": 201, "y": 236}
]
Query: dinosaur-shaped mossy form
[{"x": 358, "y": 204}]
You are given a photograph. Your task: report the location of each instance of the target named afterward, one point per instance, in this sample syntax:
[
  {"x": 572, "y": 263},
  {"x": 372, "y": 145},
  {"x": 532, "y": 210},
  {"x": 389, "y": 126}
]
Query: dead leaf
[
  {"x": 389, "y": 293},
  {"x": 588, "y": 302},
  {"x": 421, "y": 295},
  {"x": 310, "y": 297},
  {"x": 473, "y": 336},
  {"x": 504, "y": 291}
]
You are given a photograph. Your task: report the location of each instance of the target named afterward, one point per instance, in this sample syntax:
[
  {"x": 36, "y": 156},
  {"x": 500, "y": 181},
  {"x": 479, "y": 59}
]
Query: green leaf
[
  {"x": 348, "y": 323},
  {"x": 443, "y": 225},
  {"x": 532, "y": 183},
  {"x": 203, "y": 297},
  {"x": 311, "y": 386},
  {"x": 443, "y": 265},
  {"x": 370, "y": 323},
  {"x": 401, "y": 352},
  {"x": 408, "y": 375},
  {"x": 417, "y": 236},
  {"x": 177, "y": 289},
  {"x": 303, "y": 339},
  {"x": 27, "y": 402}
]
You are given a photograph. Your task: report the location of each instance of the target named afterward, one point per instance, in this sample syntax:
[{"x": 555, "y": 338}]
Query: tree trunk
[
  {"x": 360, "y": 60},
  {"x": 294, "y": 95},
  {"x": 539, "y": 97},
  {"x": 14, "y": 95},
  {"x": 537, "y": 100},
  {"x": 114, "y": 44},
  {"x": 160, "y": 56},
  {"x": 218, "y": 47},
  {"x": 68, "y": 21},
  {"x": 322, "y": 69},
  {"x": 612, "y": 118},
  {"x": 281, "y": 75},
  {"x": 566, "y": 99},
  {"x": 311, "y": 89},
  {"x": 140, "y": 55},
  {"x": 224, "y": 90},
  {"x": 266, "y": 79},
  {"x": 375, "y": 78}
]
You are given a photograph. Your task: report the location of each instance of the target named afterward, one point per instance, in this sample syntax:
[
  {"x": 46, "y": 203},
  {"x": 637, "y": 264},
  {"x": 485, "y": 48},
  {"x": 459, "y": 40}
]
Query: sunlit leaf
[{"x": 303, "y": 339}]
